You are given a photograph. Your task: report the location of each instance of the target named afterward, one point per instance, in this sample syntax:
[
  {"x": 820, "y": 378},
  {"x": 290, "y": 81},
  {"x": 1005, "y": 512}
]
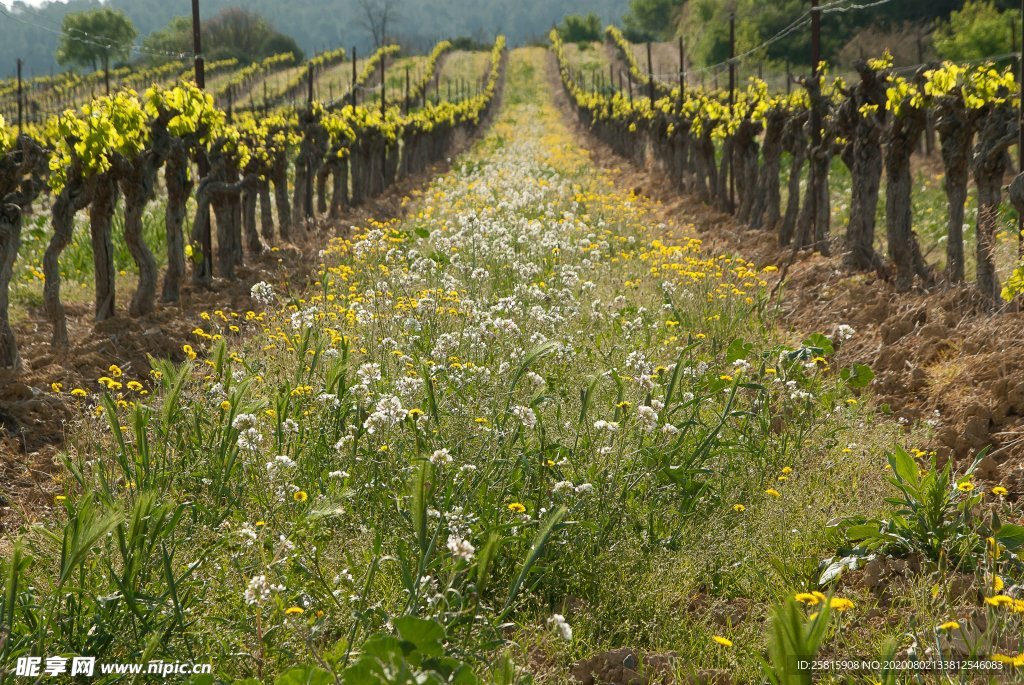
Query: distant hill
[{"x": 32, "y": 33}]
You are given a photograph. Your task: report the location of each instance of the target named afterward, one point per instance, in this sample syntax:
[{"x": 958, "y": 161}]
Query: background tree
[
  {"x": 378, "y": 18},
  {"x": 234, "y": 32},
  {"x": 175, "y": 38},
  {"x": 580, "y": 29},
  {"x": 92, "y": 39},
  {"x": 977, "y": 31},
  {"x": 246, "y": 36},
  {"x": 651, "y": 19}
]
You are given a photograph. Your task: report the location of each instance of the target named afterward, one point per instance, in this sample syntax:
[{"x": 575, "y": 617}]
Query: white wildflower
[
  {"x": 461, "y": 548},
  {"x": 525, "y": 415},
  {"x": 262, "y": 293},
  {"x": 561, "y": 626}
]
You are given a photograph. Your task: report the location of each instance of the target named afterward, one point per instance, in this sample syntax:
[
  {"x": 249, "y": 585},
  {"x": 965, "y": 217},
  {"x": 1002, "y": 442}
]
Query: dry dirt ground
[
  {"x": 937, "y": 354},
  {"x": 33, "y": 417}
]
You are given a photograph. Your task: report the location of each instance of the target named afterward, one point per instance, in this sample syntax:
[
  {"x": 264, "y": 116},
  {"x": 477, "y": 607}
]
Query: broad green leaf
[
  {"x": 1010, "y": 536},
  {"x": 857, "y": 376},
  {"x": 305, "y": 675},
  {"x": 427, "y": 635},
  {"x": 819, "y": 342},
  {"x": 904, "y": 466}
]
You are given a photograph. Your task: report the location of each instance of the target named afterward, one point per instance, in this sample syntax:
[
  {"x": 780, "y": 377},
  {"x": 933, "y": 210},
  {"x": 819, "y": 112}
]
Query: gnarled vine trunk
[
  {"x": 997, "y": 133},
  {"x": 76, "y": 195},
  {"x": 794, "y": 142},
  {"x": 10, "y": 242},
  {"x": 101, "y": 222},
  {"x": 284, "y": 209},
  {"x": 904, "y": 251},
  {"x": 178, "y": 180},
  {"x": 266, "y": 212},
  {"x": 767, "y": 204},
  {"x": 956, "y": 136},
  {"x": 746, "y": 152},
  {"x": 138, "y": 183},
  {"x": 862, "y": 155},
  {"x": 339, "y": 194}
]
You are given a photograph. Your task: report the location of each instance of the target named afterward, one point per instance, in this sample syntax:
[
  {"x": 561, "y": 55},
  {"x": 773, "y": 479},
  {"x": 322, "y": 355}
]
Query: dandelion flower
[
  {"x": 966, "y": 486},
  {"x": 810, "y": 598},
  {"x": 1000, "y": 491},
  {"x": 840, "y": 604},
  {"x": 294, "y": 611},
  {"x": 516, "y": 508},
  {"x": 724, "y": 641},
  {"x": 999, "y": 600},
  {"x": 772, "y": 492},
  {"x": 300, "y": 496},
  {"x": 739, "y": 508},
  {"x": 56, "y": 387},
  {"x": 950, "y": 625}
]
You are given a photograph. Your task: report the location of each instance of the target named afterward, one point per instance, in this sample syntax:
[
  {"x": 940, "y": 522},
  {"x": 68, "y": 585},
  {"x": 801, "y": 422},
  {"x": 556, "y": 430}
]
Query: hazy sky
[{"x": 34, "y": 3}]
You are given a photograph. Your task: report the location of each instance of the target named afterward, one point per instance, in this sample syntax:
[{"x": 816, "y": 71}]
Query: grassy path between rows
[{"x": 517, "y": 414}]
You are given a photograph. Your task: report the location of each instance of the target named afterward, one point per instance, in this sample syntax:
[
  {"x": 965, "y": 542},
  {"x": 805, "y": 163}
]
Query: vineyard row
[
  {"x": 117, "y": 146},
  {"x": 728, "y": 148}
]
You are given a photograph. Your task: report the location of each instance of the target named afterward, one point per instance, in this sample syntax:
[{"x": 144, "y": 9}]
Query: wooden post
[
  {"x": 815, "y": 117},
  {"x": 203, "y": 164},
  {"x": 928, "y": 128},
  {"x": 309, "y": 95},
  {"x": 1020, "y": 140},
  {"x": 355, "y": 76},
  {"x": 650, "y": 74},
  {"x": 21, "y": 99},
  {"x": 732, "y": 106},
  {"x": 629, "y": 79},
  {"x": 408, "y": 86},
  {"x": 309, "y": 162},
  {"x": 682, "y": 70},
  {"x": 383, "y": 85}
]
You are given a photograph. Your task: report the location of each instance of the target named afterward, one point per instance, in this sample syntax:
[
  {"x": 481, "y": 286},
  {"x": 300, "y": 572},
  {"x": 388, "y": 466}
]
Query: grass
[
  {"x": 929, "y": 209},
  {"x": 336, "y": 81},
  {"x": 591, "y": 58},
  {"x": 469, "y": 66},
  {"x": 395, "y": 78},
  {"x": 515, "y": 428},
  {"x": 76, "y": 262}
]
